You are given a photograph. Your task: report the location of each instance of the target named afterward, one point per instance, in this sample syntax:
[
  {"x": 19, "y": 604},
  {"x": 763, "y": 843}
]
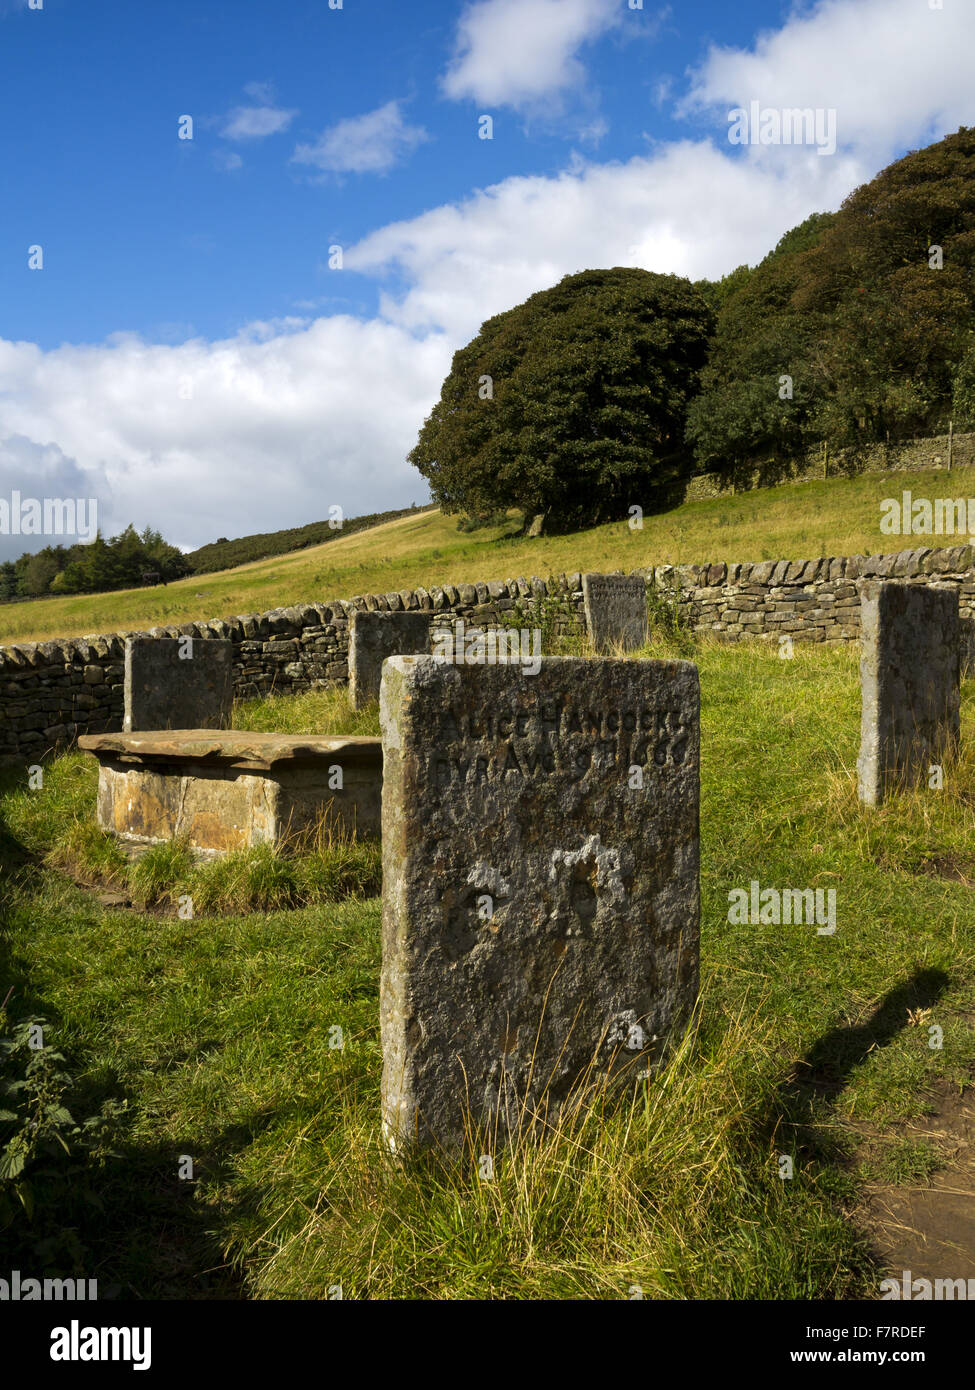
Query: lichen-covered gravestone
[
  {"x": 616, "y": 610},
  {"x": 178, "y": 683},
  {"x": 909, "y": 676},
  {"x": 540, "y": 884},
  {"x": 375, "y": 636}
]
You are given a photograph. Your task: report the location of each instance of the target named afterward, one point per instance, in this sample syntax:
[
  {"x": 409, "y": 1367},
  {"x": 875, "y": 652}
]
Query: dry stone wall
[
  {"x": 50, "y": 692},
  {"x": 909, "y": 456}
]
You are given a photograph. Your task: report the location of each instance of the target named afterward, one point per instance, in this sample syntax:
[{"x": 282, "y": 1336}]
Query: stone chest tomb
[{"x": 226, "y": 790}]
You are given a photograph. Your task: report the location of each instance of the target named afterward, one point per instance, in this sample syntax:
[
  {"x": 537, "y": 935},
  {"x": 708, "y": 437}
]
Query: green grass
[
  {"x": 834, "y": 516},
  {"x": 216, "y": 1034}
]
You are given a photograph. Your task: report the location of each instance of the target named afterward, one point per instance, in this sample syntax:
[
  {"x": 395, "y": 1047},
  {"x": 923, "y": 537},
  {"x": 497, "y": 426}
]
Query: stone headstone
[
  {"x": 616, "y": 610},
  {"x": 909, "y": 676},
  {"x": 540, "y": 909},
  {"x": 375, "y": 636},
  {"x": 178, "y": 683}
]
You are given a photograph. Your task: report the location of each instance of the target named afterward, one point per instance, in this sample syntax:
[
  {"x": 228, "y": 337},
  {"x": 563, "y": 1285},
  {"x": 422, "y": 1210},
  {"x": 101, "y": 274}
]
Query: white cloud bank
[
  {"x": 898, "y": 73},
  {"x": 264, "y": 430}
]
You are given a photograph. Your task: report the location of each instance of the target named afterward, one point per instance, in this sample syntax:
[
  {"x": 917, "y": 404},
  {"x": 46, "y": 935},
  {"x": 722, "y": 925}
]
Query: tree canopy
[
  {"x": 868, "y": 312},
  {"x": 101, "y": 565},
  {"x": 573, "y": 403}
]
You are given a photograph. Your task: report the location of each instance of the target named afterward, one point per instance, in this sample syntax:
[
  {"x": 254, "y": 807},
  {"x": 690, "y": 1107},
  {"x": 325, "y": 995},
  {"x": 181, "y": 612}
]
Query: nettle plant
[{"x": 40, "y": 1140}]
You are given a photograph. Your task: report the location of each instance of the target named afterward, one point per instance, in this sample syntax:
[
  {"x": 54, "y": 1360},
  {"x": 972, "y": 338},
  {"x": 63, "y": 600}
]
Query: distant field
[{"x": 837, "y": 516}]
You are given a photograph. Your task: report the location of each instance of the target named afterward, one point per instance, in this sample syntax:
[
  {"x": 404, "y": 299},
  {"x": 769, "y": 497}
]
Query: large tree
[{"x": 572, "y": 404}]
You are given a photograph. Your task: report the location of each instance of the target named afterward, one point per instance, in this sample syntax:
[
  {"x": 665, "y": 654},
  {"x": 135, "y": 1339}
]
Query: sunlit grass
[
  {"x": 788, "y": 522},
  {"x": 221, "y": 1033}
]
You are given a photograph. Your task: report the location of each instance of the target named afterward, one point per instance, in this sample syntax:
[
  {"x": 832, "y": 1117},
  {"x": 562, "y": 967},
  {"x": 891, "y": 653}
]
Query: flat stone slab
[
  {"x": 910, "y": 659},
  {"x": 615, "y": 606},
  {"x": 540, "y": 907},
  {"x": 178, "y": 683},
  {"x": 226, "y": 790},
  {"x": 375, "y": 636}
]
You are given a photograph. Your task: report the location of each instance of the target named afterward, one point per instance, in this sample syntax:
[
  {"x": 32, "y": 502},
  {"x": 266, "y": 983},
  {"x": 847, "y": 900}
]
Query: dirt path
[{"x": 930, "y": 1230}]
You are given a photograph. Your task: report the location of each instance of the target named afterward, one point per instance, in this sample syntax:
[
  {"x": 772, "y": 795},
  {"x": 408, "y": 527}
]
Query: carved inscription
[{"x": 564, "y": 739}]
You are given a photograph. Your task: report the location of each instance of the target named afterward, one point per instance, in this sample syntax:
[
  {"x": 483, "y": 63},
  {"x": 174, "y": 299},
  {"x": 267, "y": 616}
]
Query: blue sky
[{"x": 187, "y": 357}]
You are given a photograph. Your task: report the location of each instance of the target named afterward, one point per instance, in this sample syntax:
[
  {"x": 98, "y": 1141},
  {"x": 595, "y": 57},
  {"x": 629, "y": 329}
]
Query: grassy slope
[
  {"x": 834, "y": 517},
  {"x": 217, "y": 1034}
]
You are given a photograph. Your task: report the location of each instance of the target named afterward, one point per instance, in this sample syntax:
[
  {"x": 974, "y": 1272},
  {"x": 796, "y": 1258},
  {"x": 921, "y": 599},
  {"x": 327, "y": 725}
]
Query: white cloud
[
  {"x": 369, "y": 144},
  {"x": 517, "y": 52},
  {"x": 898, "y": 73},
  {"x": 256, "y": 122},
  {"x": 281, "y": 421},
  {"x": 262, "y": 92},
  {"x": 689, "y": 209}
]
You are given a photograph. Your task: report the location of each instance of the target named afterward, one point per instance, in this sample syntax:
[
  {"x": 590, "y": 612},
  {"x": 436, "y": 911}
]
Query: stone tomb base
[{"x": 227, "y": 790}]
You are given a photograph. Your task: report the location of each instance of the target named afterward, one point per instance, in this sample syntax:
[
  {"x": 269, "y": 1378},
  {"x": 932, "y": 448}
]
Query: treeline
[
  {"x": 224, "y": 554},
  {"x": 858, "y": 328},
  {"x": 98, "y": 567}
]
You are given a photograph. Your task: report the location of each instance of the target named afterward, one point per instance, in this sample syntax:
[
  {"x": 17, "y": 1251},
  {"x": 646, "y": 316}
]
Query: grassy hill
[{"x": 836, "y": 516}]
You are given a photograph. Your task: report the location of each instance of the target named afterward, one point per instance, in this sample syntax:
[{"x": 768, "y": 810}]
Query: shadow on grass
[
  {"x": 807, "y": 1095},
  {"x": 141, "y": 1221}
]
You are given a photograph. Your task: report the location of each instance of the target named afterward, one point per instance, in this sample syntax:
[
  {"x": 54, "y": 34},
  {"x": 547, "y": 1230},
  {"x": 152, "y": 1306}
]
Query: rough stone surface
[
  {"x": 616, "y": 610},
  {"x": 178, "y": 683},
  {"x": 230, "y": 790},
  {"x": 375, "y": 636},
  {"x": 909, "y": 676},
  {"x": 539, "y": 913}
]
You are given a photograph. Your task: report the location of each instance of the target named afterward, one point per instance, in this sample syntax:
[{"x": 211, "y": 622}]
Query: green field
[
  {"x": 836, "y": 516},
  {"x": 214, "y": 1035}
]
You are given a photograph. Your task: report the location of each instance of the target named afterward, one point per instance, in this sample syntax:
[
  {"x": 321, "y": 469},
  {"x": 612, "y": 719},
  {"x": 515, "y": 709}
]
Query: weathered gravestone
[
  {"x": 540, "y": 909},
  {"x": 375, "y": 636},
  {"x": 616, "y": 610},
  {"x": 178, "y": 683},
  {"x": 909, "y": 676}
]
